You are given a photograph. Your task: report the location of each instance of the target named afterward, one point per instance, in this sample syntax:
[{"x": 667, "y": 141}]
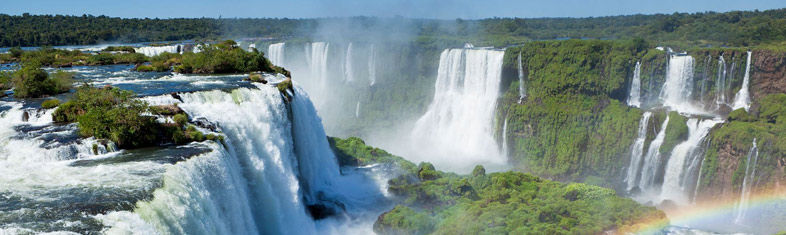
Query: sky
[{"x": 443, "y": 9}]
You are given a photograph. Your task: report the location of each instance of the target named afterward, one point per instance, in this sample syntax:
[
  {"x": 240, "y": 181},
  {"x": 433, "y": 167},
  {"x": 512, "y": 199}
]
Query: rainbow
[{"x": 705, "y": 210}]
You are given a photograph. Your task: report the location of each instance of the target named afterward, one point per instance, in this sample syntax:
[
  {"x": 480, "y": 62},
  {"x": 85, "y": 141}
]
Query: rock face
[{"x": 768, "y": 73}]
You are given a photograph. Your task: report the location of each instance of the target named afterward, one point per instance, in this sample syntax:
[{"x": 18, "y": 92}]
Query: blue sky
[{"x": 446, "y": 9}]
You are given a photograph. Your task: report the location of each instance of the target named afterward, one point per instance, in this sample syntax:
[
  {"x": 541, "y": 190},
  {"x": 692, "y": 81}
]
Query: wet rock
[
  {"x": 167, "y": 110},
  {"x": 25, "y": 116},
  {"x": 204, "y": 123},
  {"x": 176, "y": 96}
]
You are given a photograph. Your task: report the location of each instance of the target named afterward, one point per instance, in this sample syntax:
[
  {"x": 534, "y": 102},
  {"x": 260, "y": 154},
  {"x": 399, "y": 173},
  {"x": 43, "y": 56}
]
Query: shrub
[
  {"x": 31, "y": 81},
  {"x": 48, "y": 104},
  {"x": 180, "y": 119}
]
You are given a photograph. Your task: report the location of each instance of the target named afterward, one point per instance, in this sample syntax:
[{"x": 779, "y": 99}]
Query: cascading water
[
  {"x": 252, "y": 46},
  {"x": 456, "y": 132},
  {"x": 634, "y": 99},
  {"x": 276, "y": 53},
  {"x": 652, "y": 160},
  {"x": 348, "y": 72},
  {"x": 522, "y": 85},
  {"x": 372, "y": 65},
  {"x": 747, "y": 183},
  {"x": 677, "y": 90},
  {"x": 720, "y": 83},
  {"x": 637, "y": 152},
  {"x": 357, "y": 109},
  {"x": 505, "y": 137},
  {"x": 318, "y": 57},
  {"x": 678, "y": 168},
  {"x": 154, "y": 51},
  {"x": 742, "y": 99}
]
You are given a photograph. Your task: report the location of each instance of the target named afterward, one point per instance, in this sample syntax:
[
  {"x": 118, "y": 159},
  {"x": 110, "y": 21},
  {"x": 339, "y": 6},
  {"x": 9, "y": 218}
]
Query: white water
[
  {"x": 252, "y": 46},
  {"x": 505, "y": 137},
  {"x": 522, "y": 85},
  {"x": 372, "y": 65},
  {"x": 747, "y": 183},
  {"x": 154, "y": 51},
  {"x": 634, "y": 99},
  {"x": 276, "y": 53},
  {"x": 456, "y": 132},
  {"x": 675, "y": 181},
  {"x": 652, "y": 159},
  {"x": 637, "y": 152},
  {"x": 357, "y": 109},
  {"x": 261, "y": 180},
  {"x": 677, "y": 90},
  {"x": 742, "y": 99},
  {"x": 720, "y": 83},
  {"x": 348, "y": 70},
  {"x": 317, "y": 59}
]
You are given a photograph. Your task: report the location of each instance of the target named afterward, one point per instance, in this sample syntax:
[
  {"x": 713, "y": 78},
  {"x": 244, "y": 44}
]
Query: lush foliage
[
  {"x": 226, "y": 57},
  {"x": 47, "y": 56},
  {"x": 31, "y": 81},
  {"x": 51, "y": 103},
  {"x": 499, "y": 203}
]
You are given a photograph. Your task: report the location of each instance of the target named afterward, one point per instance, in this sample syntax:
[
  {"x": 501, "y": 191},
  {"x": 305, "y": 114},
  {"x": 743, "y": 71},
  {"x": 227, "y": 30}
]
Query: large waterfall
[
  {"x": 747, "y": 183},
  {"x": 456, "y": 132},
  {"x": 637, "y": 152},
  {"x": 317, "y": 57},
  {"x": 742, "y": 99},
  {"x": 348, "y": 71},
  {"x": 678, "y": 169},
  {"x": 276, "y": 53},
  {"x": 157, "y": 50},
  {"x": 634, "y": 99},
  {"x": 677, "y": 90},
  {"x": 372, "y": 65}
]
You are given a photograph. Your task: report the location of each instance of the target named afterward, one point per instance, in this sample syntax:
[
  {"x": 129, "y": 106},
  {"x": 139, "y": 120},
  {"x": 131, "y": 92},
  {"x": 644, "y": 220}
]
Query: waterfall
[
  {"x": 348, "y": 73},
  {"x": 252, "y": 46},
  {"x": 275, "y": 52},
  {"x": 154, "y": 51},
  {"x": 456, "y": 132},
  {"x": 505, "y": 137},
  {"x": 522, "y": 85},
  {"x": 372, "y": 65},
  {"x": 634, "y": 99},
  {"x": 271, "y": 166},
  {"x": 677, "y": 90},
  {"x": 636, "y": 152},
  {"x": 357, "y": 110},
  {"x": 742, "y": 99},
  {"x": 747, "y": 183},
  {"x": 652, "y": 159},
  {"x": 678, "y": 168},
  {"x": 317, "y": 60},
  {"x": 720, "y": 83}
]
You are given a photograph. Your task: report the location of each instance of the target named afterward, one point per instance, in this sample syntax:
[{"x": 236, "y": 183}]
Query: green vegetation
[
  {"x": 114, "y": 114},
  {"x": 676, "y": 132},
  {"x": 436, "y": 202},
  {"x": 128, "y": 49},
  {"x": 47, "y": 56},
  {"x": 575, "y": 125},
  {"x": 30, "y": 81},
  {"x": 226, "y": 57},
  {"x": 51, "y": 103},
  {"x": 6, "y": 79}
]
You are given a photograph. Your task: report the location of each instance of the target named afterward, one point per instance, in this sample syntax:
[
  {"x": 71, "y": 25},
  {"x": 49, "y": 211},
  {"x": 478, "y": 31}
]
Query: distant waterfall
[
  {"x": 747, "y": 183},
  {"x": 505, "y": 137},
  {"x": 318, "y": 57},
  {"x": 252, "y": 46},
  {"x": 677, "y": 89},
  {"x": 357, "y": 110},
  {"x": 742, "y": 99},
  {"x": 634, "y": 99},
  {"x": 275, "y": 52},
  {"x": 372, "y": 65},
  {"x": 154, "y": 51},
  {"x": 456, "y": 131},
  {"x": 348, "y": 72},
  {"x": 678, "y": 168},
  {"x": 522, "y": 85},
  {"x": 652, "y": 159},
  {"x": 720, "y": 83},
  {"x": 637, "y": 152}
]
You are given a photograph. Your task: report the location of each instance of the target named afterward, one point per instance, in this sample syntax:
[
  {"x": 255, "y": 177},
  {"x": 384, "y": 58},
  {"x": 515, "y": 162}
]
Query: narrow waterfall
[
  {"x": 154, "y": 51},
  {"x": 357, "y": 110},
  {"x": 276, "y": 53},
  {"x": 720, "y": 83},
  {"x": 675, "y": 183},
  {"x": 522, "y": 84},
  {"x": 742, "y": 99},
  {"x": 652, "y": 159},
  {"x": 372, "y": 65},
  {"x": 634, "y": 99},
  {"x": 747, "y": 183},
  {"x": 637, "y": 152},
  {"x": 456, "y": 132},
  {"x": 505, "y": 137},
  {"x": 348, "y": 72},
  {"x": 318, "y": 57},
  {"x": 677, "y": 90}
]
